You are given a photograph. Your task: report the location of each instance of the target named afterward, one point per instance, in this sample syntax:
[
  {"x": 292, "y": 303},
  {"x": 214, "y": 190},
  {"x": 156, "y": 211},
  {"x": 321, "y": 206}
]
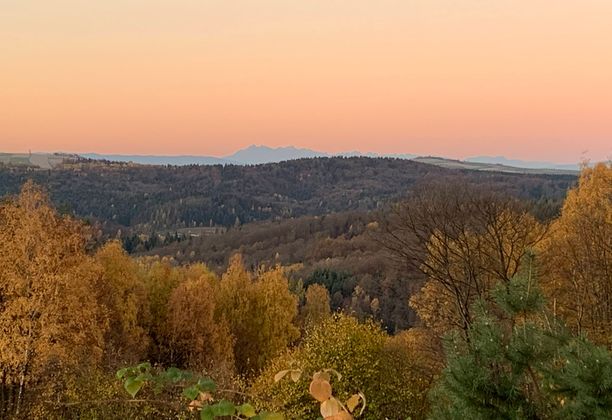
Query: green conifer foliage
[{"x": 519, "y": 363}]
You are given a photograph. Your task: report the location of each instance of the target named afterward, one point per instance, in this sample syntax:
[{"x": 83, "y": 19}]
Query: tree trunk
[{"x": 22, "y": 378}]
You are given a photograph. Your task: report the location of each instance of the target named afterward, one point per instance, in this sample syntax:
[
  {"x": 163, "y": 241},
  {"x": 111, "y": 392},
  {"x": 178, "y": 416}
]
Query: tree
[
  {"x": 122, "y": 293},
  {"x": 196, "y": 338},
  {"x": 578, "y": 256},
  {"x": 464, "y": 240},
  {"x": 161, "y": 278},
  {"x": 340, "y": 284},
  {"x": 520, "y": 363},
  {"x": 316, "y": 308},
  {"x": 260, "y": 311},
  {"x": 50, "y": 322},
  {"x": 435, "y": 306}
]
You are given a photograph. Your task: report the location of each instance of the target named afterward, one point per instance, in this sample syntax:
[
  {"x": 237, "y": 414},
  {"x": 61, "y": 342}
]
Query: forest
[
  {"x": 343, "y": 288},
  {"x": 160, "y": 199}
]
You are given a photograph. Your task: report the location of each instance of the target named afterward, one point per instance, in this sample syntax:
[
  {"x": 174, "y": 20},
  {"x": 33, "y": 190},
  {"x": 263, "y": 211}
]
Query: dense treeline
[
  {"x": 339, "y": 250},
  {"x": 508, "y": 312},
  {"x": 343, "y": 250},
  {"x": 163, "y": 198},
  {"x": 69, "y": 314}
]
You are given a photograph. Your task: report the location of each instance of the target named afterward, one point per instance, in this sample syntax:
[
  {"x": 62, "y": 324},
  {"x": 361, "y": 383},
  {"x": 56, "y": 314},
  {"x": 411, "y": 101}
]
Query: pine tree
[{"x": 518, "y": 363}]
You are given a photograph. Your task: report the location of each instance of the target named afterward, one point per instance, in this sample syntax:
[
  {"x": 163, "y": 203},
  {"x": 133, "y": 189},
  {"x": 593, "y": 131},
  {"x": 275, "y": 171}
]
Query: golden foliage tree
[
  {"x": 50, "y": 322},
  {"x": 197, "y": 339},
  {"x": 161, "y": 278},
  {"x": 464, "y": 240},
  {"x": 578, "y": 256},
  {"x": 260, "y": 311},
  {"x": 317, "y": 305},
  {"x": 121, "y": 290}
]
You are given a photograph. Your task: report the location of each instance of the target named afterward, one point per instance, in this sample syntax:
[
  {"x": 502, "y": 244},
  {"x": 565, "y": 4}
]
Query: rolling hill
[{"x": 147, "y": 198}]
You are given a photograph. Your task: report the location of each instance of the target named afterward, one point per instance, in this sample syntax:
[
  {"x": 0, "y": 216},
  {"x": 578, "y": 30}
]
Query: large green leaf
[
  {"x": 144, "y": 366},
  {"x": 121, "y": 372},
  {"x": 247, "y": 410},
  {"x": 207, "y": 413},
  {"x": 224, "y": 408},
  {"x": 191, "y": 392},
  {"x": 133, "y": 385},
  {"x": 174, "y": 374},
  {"x": 207, "y": 385}
]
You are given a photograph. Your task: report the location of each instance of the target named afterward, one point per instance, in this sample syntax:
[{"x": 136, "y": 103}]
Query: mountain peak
[{"x": 256, "y": 154}]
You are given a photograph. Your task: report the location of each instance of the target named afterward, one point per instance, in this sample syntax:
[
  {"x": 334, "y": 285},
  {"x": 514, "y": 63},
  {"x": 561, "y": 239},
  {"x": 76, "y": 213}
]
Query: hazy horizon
[{"x": 86, "y": 152}]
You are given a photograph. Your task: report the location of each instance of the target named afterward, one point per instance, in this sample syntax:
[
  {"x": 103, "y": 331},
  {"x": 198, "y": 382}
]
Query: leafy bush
[{"x": 362, "y": 354}]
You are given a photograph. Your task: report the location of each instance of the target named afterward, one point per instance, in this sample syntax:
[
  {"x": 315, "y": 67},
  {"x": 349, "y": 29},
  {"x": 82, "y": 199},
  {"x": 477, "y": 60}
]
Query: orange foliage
[
  {"x": 578, "y": 256},
  {"x": 197, "y": 339},
  {"x": 260, "y": 311},
  {"x": 50, "y": 321}
]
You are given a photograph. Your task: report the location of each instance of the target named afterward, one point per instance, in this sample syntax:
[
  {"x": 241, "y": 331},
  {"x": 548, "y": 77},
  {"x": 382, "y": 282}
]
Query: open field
[{"x": 36, "y": 160}]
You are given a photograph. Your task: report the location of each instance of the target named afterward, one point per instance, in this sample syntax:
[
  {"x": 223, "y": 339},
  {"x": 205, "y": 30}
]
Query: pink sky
[{"x": 530, "y": 80}]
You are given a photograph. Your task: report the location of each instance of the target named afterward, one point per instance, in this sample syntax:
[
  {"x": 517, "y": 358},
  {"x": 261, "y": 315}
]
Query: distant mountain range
[{"x": 252, "y": 155}]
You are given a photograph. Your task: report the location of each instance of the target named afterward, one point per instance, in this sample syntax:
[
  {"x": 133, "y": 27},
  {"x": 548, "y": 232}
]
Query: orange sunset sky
[{"x": 526, "y": 79}]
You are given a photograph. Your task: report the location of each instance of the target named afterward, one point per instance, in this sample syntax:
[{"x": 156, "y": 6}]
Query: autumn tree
[
  {"x": 578, "y": 256},
  {"x": 50, "y": 322},
  {"x": 463, "y": 239},
  {"x": 122, "y": 293},
  {"x": 316, "y": 308},
  {"x": 260, "y": 311},
  {"x": 196, "y": 338},
  {"x": 161, "y": 278}
]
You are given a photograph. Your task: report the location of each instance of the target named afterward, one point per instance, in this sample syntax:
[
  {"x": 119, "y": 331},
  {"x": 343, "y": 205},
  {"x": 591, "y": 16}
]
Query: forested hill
[{"x": 158, "y": 198}]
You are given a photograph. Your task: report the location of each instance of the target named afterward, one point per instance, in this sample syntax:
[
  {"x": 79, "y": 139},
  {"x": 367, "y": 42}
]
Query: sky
[{"x": 455, "y": 78}]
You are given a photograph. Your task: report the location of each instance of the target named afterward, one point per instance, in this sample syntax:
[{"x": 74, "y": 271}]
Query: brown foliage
[{"x": 464, "y": 240}]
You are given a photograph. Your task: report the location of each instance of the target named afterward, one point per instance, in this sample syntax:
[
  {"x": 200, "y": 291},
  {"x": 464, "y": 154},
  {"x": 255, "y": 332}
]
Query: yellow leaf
[
  {"x": 330, "y": 407},
  {"x": 321, "y": 376},
  {"x": 343, "y": 415},
  {"x": 205, "y": 396},
  {"x": 280, "y": 375},
  {"x": 353, "y": 402},
  {"x": 320, "y": 389},
  {"x": 295, "y": 375}
]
